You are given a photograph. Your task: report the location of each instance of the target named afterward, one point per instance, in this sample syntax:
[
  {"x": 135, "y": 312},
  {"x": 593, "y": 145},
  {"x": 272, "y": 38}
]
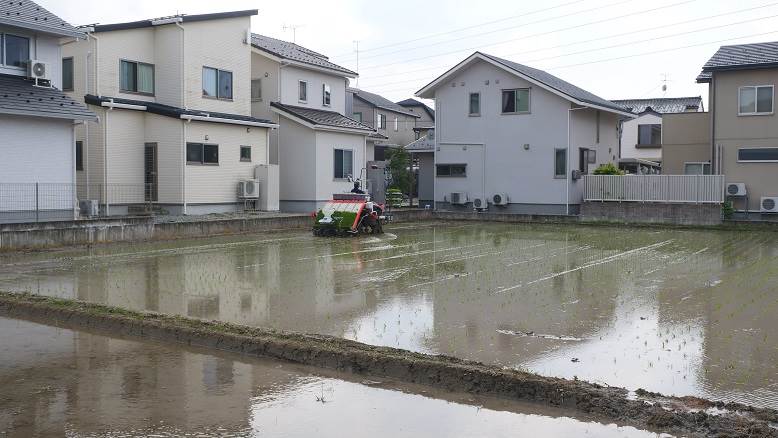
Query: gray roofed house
[
  {"x": 413, "y": 103},
  {"x": 662, "y": 105},
  {"x": 27, "y": 14},
  {"x": 294, "y": 52},
  {"x": 320, "y": 118},
  {"x": 741, "y": 57},
  {"x": 379, "y": 101}
]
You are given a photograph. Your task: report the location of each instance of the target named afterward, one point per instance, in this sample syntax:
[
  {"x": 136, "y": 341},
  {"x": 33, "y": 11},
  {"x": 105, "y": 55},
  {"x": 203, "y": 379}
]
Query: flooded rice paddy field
[
  {"x": 674, "y": 311},
  {"x": 67, "y": 383}
]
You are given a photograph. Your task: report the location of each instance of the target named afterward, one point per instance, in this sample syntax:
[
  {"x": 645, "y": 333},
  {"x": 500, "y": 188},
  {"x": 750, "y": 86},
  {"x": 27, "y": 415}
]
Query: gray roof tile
[
  {"x": 410, "y": 103},
  {"x": 294, "y": 52},
  {"x": 556, "y": 83},
  {"x": 29, "y": 15},
  {"x": 741, "y": 56},
  {"x": 662, "y": 105},
  {"x": 379, "y": 101},
  {"x": 20, "y": 96},
  {"x": 321, "y": 117},
  {"x": 424, "y": 144}
]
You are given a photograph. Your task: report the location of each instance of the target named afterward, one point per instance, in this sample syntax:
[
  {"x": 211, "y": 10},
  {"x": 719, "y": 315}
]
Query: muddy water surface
[
  {"x": 678, "y": 312},
  {"x": 65, "y": 383}
]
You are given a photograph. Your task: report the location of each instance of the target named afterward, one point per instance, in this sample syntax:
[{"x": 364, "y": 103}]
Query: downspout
[
  {"x": 435, "y": 157},
  {"x": 105, "y": 159},
  {"x": 716, "y": 161},
  {"x": 567, "y": 160},
  {"x": 183, "y": 164},
  {"x": 85, "y": 151},
  {"x": 74, "y": 179},
  {"x": 183, "y": 68}
]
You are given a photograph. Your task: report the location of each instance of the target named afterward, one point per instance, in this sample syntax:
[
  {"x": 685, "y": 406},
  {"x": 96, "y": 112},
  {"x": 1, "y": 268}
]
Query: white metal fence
[
  {"x": 697, "y": 189},
  {"x": 35, "y": 202}
]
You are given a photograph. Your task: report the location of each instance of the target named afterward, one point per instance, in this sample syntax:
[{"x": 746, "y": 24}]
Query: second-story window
[
  {"x": 302, "y": 91},
  {"x": 380, "y": 121},
  {"x": 137, "y": 77},
  {"x": 650, "y": 135},
  {"x": 396, "y": 124},
  {"x": 515, "y": 101},
  {"x": 67, "y": 74},
  {"x": 14, "y": 50},
  {"x": 256, "y": 90},
  {"x": 756, "y": 100},
  {"x": 326, "y": 95},
  {"x": 474, "y": 104},
  {"x": 358, "y": 117},
  {"x": 217, "y": 83}
]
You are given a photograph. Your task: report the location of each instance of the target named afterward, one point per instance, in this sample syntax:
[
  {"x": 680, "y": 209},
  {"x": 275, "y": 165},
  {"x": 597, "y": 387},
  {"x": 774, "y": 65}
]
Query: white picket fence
[{"x": 696, "y": 189}]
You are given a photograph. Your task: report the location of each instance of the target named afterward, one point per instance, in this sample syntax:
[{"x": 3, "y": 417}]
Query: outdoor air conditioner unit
[
  {"x": 736, "y": 189},
  {"x": 480, "y": 203},
  {"x": 769, "y": 204},
  {"x": 500, "y": 199},
  {"x": 38, "y": 70},
  {"x": 248, "y": 189},
  {"x": 458, "y": 198},
  {"x": 89, "y": 207}
]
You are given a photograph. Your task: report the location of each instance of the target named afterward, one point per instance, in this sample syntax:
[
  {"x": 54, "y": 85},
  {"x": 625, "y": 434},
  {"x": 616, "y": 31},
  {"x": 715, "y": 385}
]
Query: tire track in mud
[{"x": 689, "y": 416}]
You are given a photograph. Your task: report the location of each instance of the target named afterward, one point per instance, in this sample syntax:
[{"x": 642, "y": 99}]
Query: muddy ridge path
[{"x": 688, "y": 416}]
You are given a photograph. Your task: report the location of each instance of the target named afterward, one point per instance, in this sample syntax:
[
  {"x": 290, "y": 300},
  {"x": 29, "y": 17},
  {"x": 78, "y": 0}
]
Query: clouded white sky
[{"x": 616, "y": 49}]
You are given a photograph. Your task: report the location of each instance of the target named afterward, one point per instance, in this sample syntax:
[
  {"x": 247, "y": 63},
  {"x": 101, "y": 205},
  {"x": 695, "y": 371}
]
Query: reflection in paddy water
[{"x": 679, "y": 312}]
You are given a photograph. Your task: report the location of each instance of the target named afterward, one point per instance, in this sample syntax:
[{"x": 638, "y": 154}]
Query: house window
[
  {"x": 256, "y": 90},
  {"x": 137, "y": 77},
  {"x": 217, "y": 83},
  {"x": 560, "y": 163},
  {"x": 343, "y": 163},
  {"x": 380, "y": 121},
  {"x": 199, "y": 153},
  {"x": 696, "y": 168},
  {"x": 302, "y": 91},
  {"x": 474, "y": 107},
  {"x": 756, "y": 100},
  {"x": 515, "y": 101},
  {"x": 597, "y": 139},
  {"x": 67, "y": 74},
  {"x": 79, "y": 155},
  {"x": 396, "y": 124},
  {"x": 451, "y": 170},
  {"x": 755, "y": 155},
  {"x": 326, "y": 95},
  {"x": 650, "y": 135},
  {"x": 358, "y": 117},
  {"x": 245, "y": 153},
  {"x": 14, "y": 50}
]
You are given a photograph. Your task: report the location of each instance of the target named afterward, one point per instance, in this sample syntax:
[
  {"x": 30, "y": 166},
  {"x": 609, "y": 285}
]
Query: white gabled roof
[{"x": 535, "y": 76}]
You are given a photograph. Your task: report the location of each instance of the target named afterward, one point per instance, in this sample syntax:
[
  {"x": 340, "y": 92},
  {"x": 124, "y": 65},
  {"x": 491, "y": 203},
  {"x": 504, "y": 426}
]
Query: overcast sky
[{"x": 614, "y": 48}]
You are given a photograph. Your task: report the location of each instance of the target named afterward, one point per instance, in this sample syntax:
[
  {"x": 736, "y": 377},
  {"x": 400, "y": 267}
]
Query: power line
[
  {"x": 671, "y": 49},
  {"x": 534, "y": 35},
  {"x": 544, "y": 20},
  {"x": 464, "y": 28},
  {"x": 632, "y": 32},
  {"x": 621, "y": 44}
]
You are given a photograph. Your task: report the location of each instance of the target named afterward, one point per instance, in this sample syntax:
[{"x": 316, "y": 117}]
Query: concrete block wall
[{"x": 652, "y": 213}]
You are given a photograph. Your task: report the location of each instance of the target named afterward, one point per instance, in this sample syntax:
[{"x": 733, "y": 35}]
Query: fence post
[{"x": 37, "y": 205}]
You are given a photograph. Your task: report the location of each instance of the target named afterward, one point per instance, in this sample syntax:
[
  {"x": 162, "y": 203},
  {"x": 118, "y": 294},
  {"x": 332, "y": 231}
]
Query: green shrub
[
  {"x": 608, "y": 169},
  {"x": 727, "y": 209}
]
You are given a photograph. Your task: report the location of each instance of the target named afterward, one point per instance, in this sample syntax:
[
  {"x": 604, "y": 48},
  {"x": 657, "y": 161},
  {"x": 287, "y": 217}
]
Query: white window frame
[
  {"x": 469, "y": 101},
  {"x": 396, "y": 124},
  {"x": 516, "y": 91},
  {"x": 3, "y": 51},
  {"x": 755, "y": 161},
  {"x": 258, "y": 98},
  {"x": 300, "y": 86},
  {"x": 137, "y": 75},
  {"x": 380, "y": 121},
  {"x": 702, "y": 163},
  {"x": 345, "y": 175},
  {"x": 756, "y": 100},
  {"x": 326, "y": 95}
]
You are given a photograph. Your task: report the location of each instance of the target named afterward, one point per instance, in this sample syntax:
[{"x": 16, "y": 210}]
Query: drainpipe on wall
[
  {"x": 435, "y": 157},
  {"x": 105, "y": 160},
  {"x": 183, "y": 68},
  {"x": 74, "y": 180},
  {"x": 85, "y": 151},
  {"x": 715, "y": 161}
]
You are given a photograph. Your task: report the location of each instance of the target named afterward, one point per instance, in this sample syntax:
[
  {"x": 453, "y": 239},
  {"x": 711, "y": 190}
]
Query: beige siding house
[
  {"x": 739, "y": 138},
  {"x": 173, "y": 96}
]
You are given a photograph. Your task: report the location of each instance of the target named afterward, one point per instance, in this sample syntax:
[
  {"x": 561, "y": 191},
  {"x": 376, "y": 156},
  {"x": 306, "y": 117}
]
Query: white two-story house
[
  {"x": 174, "y": 99},
  {"x": 36, "y": 118},
  {"x": 516, "y": 139},
  {"x": 318, "y": 148}
]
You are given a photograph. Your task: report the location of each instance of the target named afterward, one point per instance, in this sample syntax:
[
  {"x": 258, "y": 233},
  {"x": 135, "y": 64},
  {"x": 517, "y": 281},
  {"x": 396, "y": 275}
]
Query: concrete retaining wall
[{"x": 652, "y": 213}]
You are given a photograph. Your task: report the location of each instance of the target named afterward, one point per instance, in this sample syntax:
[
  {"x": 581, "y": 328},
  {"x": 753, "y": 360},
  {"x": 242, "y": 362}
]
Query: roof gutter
[
  {"x": 191, "y": 117},
  {"x": 111, "y": 104}
]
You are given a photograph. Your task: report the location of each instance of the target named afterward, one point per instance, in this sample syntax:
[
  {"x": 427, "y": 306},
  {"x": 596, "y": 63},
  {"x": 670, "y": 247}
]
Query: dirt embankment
[{"x": 686, "y": 416}]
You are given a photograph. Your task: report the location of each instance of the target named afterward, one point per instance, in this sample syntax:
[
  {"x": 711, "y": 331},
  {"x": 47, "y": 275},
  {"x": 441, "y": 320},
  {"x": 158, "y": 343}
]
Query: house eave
[
  {"x": 318, "y": 127},
  {"x": 43, "y": 29},
  {"x": 47, "y": 115}
]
